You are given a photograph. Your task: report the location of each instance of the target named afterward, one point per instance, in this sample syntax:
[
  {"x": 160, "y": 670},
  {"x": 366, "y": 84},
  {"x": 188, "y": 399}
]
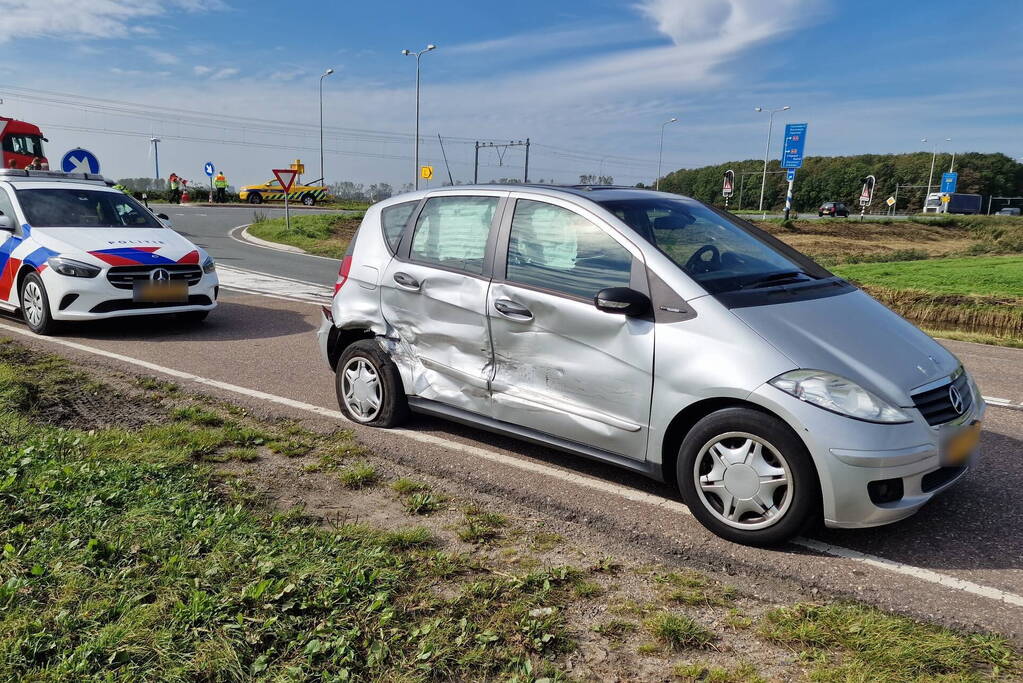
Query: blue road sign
[
  {"x": 949, "y": 182},
  {"x": 790, "y": 175},
  {"x": 210, "y": 170},
  {"x": 792, "y": 148},
  {"x": 79, "y": 160}
]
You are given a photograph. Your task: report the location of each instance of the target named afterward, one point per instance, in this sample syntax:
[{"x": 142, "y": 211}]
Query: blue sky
[{"x": 588, "y": 82}]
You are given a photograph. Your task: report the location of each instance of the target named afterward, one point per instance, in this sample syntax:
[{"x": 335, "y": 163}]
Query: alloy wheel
[{"x": 743, "y": 480}]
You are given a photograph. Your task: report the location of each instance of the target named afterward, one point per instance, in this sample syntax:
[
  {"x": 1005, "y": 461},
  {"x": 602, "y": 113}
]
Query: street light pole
[
  {"x": 934, "y": 154},
  {"x": 767, "y": 149},
  {"x": 323, "y": 174},
  {"x": 660, "y": 152},
  {"x": 418, "y": 55}
]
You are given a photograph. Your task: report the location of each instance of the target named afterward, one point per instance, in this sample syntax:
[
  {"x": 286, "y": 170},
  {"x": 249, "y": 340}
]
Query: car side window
[
  {"x": 7, "y": 207},
  {"x": 556, "y": 249},
  {"x": 452, "y": 232},
  {"x": 393, "y": 220}
]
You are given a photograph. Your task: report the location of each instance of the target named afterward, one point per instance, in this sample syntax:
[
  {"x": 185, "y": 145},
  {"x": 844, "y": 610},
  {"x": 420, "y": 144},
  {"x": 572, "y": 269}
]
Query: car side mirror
[
  {"x": 622, "y": 300},
  {"x": 6, "y": 224}
]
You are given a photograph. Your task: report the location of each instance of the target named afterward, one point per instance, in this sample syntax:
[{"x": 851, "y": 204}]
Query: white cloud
[
  {"x": 161, "y": 56},
  {"x": 221, "y": 74},
  {"x": 201, "y": 70},
  {"x": 87, "y": 18}
]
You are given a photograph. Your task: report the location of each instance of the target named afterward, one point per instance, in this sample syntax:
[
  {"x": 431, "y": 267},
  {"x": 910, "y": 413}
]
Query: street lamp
[
  {"x": 934, "y": 154},
  {"x": 323, "y": 174},
  {"x": 418, "y": 55},
  {"x": 660, "y": 152},
  {"x": 767, "y": 149}
]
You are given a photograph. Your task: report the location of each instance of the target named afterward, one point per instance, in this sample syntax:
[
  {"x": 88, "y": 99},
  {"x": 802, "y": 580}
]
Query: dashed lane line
[{"x": 919, "y": 573}]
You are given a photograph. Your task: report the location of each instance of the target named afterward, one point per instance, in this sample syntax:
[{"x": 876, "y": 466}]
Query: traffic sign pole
[{"x": 286, "y": 176}]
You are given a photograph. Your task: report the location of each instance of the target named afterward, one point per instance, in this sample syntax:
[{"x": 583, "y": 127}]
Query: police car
[{"x": 72, "y": 248}]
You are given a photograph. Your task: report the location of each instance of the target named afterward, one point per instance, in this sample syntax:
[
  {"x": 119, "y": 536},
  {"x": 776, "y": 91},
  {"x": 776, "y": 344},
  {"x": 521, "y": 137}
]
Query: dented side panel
[
  {"x": 440, "y": 339},
  {"x": 573, "y": 371}
]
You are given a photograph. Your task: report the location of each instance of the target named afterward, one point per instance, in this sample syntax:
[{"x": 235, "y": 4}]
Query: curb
[{"x": 270, "y": 245}]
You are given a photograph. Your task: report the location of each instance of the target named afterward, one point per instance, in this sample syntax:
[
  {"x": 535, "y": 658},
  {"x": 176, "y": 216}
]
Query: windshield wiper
[{"x": 778, "y": 278}]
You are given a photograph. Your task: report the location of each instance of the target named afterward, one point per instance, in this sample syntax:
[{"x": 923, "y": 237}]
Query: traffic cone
[{"x": 185, "y": 197}]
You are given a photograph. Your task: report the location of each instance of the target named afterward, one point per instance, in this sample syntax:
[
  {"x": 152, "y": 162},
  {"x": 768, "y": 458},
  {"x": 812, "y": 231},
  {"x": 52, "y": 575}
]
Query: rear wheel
[
  {"x": 35, "y": 305},
  {"x": 747, "y": 477},
  {"x": 369, "y": 387},
  {"x": 309, "y": 200},
  {"x": 255, "y": 198}
]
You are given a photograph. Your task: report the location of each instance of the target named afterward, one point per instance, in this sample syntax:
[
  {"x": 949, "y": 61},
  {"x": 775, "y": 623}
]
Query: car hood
[
  {"x": 119, "y": 246},
  {"x": 854, "y": 336}
]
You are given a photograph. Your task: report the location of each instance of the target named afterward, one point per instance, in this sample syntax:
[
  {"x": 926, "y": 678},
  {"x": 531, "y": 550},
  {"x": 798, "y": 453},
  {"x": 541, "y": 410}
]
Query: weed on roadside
[
  {"x": 359, "y": 475},
  {"x": 423, "y": 503},
  {"x": 679, "y": 631},
  {"x": 480, "y": 526}
]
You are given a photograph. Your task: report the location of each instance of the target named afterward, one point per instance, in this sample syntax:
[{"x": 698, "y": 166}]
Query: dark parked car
[
  {"x": 833, "y": 209},
  {"x": 1008, "y": 211}
]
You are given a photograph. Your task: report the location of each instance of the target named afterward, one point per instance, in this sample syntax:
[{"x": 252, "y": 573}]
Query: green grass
[
  {"x": 990, "y": 275},
  {"x": 315, "y": 233},
  {"x": 405, "y": 486},
  {"x": 851, "y": 642},
  {"x": 122, "y": 558},
  {"x": 679, "y": 631},
  {"x": 358, "y": 476}
]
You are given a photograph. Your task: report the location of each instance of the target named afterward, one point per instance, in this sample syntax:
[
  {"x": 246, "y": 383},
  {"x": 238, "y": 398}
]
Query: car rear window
[{"x": 452, "y": 232}]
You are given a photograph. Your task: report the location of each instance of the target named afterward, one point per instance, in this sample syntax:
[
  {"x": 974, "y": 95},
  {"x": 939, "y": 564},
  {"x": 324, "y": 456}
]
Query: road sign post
[
  {"x": 728, "y": 185},
  {"x": 792, "y": 157},
  {"x": 867, "y": 194},
  {"x": 286, "y": 177},
  {"x": 210, "y": 169}
]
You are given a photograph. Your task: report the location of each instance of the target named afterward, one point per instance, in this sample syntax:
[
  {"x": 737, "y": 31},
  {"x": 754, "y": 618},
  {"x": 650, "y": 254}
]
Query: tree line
[{"x": 840, "y": 179}]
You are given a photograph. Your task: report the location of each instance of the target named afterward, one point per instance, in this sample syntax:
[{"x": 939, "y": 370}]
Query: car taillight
[{"x": 342, "y": 273}]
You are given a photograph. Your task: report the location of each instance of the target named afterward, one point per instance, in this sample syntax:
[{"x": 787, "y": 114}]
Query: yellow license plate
[
  {"x": 161, "y": 292},
  {"x": 962, "y": 444}
]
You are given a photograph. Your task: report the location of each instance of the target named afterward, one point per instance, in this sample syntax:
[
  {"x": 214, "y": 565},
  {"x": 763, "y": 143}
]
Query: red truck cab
[{"x": 22, "y": 144}]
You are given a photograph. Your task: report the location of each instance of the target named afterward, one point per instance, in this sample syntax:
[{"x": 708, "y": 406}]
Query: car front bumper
[
  {"x": 96, "y": 298},
  {"x": 850, "y": 455}
]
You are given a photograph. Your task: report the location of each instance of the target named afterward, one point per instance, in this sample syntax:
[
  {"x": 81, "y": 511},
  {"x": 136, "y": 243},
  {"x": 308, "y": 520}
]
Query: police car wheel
[
  {"x": 309, "y": 200},
  {"x": 35, "y": 305},
  {"x": 255, "y": 198}
]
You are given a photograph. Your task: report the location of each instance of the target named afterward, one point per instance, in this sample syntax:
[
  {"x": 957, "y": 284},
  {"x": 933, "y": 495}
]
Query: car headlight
[
  {"x": 72, "y": 268},
  {"x": 838, "y": 395},
  {"x": 208, "y": 265}
]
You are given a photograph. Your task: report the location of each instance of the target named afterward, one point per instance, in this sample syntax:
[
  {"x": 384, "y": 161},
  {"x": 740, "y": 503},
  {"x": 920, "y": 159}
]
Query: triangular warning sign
[
  {"x": 286, "y": 177},
  {"x": 728, "y": 184},
  {"x": 865, "y": 195}
]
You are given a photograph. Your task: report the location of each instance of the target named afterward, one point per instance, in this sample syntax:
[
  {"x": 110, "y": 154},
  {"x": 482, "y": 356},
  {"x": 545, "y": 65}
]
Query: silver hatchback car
[{"x": 656, "y": 333}]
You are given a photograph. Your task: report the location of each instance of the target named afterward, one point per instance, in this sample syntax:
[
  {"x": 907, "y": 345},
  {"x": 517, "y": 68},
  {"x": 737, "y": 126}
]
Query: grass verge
[{"x": 320, "y": 234}]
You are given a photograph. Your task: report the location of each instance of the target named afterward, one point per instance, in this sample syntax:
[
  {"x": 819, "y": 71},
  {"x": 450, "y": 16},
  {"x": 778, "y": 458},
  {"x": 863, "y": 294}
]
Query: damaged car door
[
  {"x": 433, "y": 294},
  {"x": 562, "y": 366}
]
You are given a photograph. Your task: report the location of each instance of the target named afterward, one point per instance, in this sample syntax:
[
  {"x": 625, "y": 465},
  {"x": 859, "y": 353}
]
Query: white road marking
[
  {"x": 916, "y": 572},
  {"x": 660, "y": 502},
  {"x": 273, "y": 285}
]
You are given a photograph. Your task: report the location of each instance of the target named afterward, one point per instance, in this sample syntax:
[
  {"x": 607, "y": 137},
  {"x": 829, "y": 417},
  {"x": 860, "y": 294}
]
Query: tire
[
  {"x": 193, "y": 317},
  {"x": 309, "y": 200},
  {"x": 820, "y": 214},
  {"x": 781, "y": 455},
  {"x": 365, "y": 358},
  {"x": 35, "y": 305},
  {"x": 255, "y": 198}
]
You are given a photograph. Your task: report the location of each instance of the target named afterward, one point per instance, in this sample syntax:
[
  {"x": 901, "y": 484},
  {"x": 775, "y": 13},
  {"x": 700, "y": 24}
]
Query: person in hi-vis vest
[{"x": 220, "y": 183}]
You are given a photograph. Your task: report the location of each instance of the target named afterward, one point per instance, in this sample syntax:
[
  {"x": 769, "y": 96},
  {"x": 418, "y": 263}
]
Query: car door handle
[
  {"x": 513, "y": 310},
  {"x": 407, "y": 281}
]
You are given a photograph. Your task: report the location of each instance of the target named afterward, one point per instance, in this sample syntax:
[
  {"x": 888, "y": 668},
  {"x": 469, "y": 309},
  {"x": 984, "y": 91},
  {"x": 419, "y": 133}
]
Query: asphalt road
[{"x": 959, "y": 561}]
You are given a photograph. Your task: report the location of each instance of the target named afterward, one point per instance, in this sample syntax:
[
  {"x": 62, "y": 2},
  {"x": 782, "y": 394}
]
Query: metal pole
[
  {"x": 742, "y": 184},
  {"x": 525, "y": 173},
  {"x": 895, "y": 206},
  {"x": 767, "y": 151},
  {"x": 989, "y": 200},
  {"x": 287, "y": 211},
  {"x": 323, "y": 173},
  {"x": 476, "y": 165},
  {"x": 952, "y": 166},
  {"x": 930, "y": 178},
  {"x": 445, "y": 154},
  {"x": 156, "y": 155},
  {"x": 788, "y": 200},
  {"x": 660, "y": 155},
  {"x": 415, "y": 171}
]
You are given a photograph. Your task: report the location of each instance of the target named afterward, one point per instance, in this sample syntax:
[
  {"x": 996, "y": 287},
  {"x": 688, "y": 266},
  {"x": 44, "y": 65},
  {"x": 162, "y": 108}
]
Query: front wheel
[
  {"x": 35, "y": 305},
  {"x": 255, "y": 198},
  {"x": 309, "y": 200},
  {"x": 369, "y": 387},
  {"x": 748, "y": 478}
]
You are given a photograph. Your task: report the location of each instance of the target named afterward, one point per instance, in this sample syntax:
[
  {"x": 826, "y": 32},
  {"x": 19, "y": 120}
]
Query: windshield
[
  {"x": 30, "y": 145},
  {"x": 79, "y": 208},
  {"x": 717, "y": 253}
]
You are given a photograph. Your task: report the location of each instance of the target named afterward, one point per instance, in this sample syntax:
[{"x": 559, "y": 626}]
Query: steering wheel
[{"x": 698, "y": 264}]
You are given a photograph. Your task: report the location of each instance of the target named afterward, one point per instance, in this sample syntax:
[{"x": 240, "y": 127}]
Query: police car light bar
[{"x": 58, "y": 175}]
